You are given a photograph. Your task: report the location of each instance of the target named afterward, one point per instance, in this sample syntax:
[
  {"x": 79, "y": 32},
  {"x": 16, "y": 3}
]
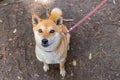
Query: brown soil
[{"x": 98, "y": 36}]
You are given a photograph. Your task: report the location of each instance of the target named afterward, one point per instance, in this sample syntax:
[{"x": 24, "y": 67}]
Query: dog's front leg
[
  {"x": 62, "y": 69},
  {"x": 45, "y": 67}
]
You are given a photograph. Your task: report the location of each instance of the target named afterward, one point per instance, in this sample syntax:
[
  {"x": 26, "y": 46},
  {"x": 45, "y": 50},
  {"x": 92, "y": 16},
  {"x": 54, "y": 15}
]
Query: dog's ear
[
  {"x": 59, "y": 21},
  {"x": 56, "y": 16},
  {"x": 35, "y": 19}
]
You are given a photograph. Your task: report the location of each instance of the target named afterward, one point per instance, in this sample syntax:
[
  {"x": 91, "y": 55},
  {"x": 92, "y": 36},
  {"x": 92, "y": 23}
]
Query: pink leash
[{"x": 86, "y": 17}]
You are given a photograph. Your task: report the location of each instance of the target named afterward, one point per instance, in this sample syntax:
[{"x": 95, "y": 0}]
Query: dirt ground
[{"x": 94, "y": 49}]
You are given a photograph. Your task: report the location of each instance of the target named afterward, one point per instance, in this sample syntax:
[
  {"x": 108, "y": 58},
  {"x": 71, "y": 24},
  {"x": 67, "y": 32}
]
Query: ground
[{"x": 94, "y": 49}]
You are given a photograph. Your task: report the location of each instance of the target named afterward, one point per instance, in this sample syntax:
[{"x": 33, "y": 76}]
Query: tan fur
[
  {"x": 55, "y": 13},
  {"x": 58, "y": 49}
]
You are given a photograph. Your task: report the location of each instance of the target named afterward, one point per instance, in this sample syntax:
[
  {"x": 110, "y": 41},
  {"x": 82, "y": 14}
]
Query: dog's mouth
[{"x": 45, "y": 45}]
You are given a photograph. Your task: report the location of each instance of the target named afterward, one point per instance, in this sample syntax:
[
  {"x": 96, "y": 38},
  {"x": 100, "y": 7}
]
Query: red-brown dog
[{"x": 51, "y": 43}]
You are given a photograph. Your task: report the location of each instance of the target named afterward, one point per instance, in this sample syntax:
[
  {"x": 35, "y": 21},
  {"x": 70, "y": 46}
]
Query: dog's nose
[{"x": 44, "y": 41}]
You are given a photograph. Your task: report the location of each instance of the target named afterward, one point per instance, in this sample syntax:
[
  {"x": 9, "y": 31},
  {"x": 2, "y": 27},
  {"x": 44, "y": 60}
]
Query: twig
[{"x": 68, "y": 20}]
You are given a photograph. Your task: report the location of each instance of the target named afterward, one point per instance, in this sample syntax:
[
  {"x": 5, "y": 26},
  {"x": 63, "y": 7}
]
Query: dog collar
[{"x": 49, "y": 51}]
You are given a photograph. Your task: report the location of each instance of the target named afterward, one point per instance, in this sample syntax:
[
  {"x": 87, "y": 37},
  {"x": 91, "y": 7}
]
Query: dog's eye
[
  {"x": 40, "y": 31},
  {"x": 52, "y": 31}
]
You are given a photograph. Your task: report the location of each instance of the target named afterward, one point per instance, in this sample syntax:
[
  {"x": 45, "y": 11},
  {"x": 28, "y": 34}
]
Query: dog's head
[{"x": 48, "y": 31}]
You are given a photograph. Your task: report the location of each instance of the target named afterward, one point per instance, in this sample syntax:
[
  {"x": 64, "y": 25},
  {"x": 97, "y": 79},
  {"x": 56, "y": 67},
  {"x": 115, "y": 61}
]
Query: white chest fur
[{"x": 48, "y": 57}]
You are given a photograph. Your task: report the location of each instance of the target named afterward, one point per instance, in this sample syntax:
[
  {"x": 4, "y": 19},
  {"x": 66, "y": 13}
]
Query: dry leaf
[
  {"x": 36, "y": 75},
  {"x": 90, "y": 56},
  {"x": 71, "y": 74},
  {"x": 74, "y": 63},
  {"x": 1, "y": 21},
  {"x": 62, "y": 78},
  {"x": 45, "y": 2},
  {"x": 114, "y": 2},
  {"x": 15, "y": 30},
  {"x": 10, "y": 39},
  {"x": 19, "y": 77},
  {"x": 36, "y": 0}
]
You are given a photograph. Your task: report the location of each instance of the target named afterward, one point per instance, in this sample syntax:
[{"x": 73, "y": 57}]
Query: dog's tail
[{"x": 56, "y": 15}]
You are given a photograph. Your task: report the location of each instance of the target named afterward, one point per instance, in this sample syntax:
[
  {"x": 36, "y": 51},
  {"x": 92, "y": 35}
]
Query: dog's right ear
[{"x": 35, "y": 19}]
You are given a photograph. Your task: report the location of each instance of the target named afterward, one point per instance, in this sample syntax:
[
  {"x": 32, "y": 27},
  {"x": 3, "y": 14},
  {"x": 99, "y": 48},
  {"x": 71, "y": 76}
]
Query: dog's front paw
[
  {"x": 45, "y": 68},
  {"x": 63, "y": 73}
]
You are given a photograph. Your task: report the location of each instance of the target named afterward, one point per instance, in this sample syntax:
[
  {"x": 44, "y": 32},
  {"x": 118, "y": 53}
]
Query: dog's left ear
[
  {"x": 56, "y": 16},
  {"x": 59, "y": 21}
]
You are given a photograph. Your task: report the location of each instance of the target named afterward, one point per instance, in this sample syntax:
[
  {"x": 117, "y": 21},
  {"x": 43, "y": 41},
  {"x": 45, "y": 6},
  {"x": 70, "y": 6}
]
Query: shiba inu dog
[{"x": 51, "y": 42}]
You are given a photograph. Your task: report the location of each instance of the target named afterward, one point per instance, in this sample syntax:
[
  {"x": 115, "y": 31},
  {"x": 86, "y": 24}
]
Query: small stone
[
  {"x": 117, "y": 75},
  {"x": 31, "y": 44},
  {"x": 101, "y": 44},
  {"x": 81, "y": 10},
  {"x": 10, "y": 54}
]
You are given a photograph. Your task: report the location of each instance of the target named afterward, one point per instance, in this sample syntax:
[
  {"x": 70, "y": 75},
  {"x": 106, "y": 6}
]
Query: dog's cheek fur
[
  {"x": 55, "y": 38},
  {"x": 37, "y": 37}
]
